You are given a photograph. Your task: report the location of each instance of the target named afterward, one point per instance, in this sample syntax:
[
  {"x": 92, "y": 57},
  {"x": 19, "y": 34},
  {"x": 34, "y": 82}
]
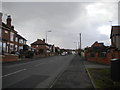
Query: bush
[{"x": 29, "y": 54}]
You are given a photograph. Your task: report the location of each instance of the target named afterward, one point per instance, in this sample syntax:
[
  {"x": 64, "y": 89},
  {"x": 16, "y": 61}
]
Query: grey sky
[{"x": 65, "y": 19}]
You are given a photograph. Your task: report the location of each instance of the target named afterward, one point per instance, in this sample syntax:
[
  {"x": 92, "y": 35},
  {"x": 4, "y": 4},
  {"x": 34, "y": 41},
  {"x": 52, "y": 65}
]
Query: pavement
[{"x": 75, "y": 76}]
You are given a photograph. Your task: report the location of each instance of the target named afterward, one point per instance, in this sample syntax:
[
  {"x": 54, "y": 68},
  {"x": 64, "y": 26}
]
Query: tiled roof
[
  {"x": 20, "y": 37},
  {"x": 39, "y": 42},
  {"x": 8, "y": 27}
]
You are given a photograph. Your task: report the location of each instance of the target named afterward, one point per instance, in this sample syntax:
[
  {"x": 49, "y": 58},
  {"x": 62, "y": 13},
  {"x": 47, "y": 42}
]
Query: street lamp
[{"x": 46, "y": 34}]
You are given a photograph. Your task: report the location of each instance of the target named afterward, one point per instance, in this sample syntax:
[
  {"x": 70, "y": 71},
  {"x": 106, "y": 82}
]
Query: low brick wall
[
  {"x": 8, "y": 58},
  {"x": 103, "y": 60}
]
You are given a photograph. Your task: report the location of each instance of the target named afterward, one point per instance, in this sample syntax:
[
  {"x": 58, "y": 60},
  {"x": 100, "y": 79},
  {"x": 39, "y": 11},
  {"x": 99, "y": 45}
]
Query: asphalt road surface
[{"x": 34, "y": 74}]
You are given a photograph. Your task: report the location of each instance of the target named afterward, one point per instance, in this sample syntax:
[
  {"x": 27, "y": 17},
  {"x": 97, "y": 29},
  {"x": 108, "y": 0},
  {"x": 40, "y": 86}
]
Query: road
[{"x": 34, "y": 74}]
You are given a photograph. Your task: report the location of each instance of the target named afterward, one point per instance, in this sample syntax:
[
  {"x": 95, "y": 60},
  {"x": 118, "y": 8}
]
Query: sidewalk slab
[{"x": 75, "y": 76}]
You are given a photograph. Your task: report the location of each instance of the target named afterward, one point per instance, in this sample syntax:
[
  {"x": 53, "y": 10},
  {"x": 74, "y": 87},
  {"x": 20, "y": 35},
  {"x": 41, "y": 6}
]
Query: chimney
[
  {"x": 12, "y": 27},
  {"x": 1, "y": 17},
  {"x": 43, "y": 40},
  {"x": 9, "y": 20},
  {"x": 38, "y": 39}
]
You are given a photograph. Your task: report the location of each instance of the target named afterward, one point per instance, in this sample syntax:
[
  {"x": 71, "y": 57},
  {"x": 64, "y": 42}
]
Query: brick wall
[
  {"x": 103, "y": 60},
  {"x": 39, "y": 47},
  {"x": 8, "y": 58}
]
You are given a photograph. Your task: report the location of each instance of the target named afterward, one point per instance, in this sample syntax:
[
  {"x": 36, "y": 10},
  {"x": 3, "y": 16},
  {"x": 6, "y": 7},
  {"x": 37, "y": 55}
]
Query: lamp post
[{"x": 46, "y": 34}]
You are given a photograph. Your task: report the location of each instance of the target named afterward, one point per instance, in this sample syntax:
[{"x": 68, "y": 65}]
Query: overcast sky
[{"x": 65, "y": 19}]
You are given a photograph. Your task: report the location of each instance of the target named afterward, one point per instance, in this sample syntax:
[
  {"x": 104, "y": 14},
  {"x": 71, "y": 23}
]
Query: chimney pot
[
  {"x": 9, "y": 20},
  {"x": 12, "y": 27},
  {"x": 38, "y": 39},
  {"x": 43, "y": 40}
]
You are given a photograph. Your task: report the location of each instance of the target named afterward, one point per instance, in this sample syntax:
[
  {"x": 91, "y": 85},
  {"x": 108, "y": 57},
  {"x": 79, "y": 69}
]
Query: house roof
[
  {"x": 8, "y": 27},
  {"x": 115, "y": 31},
  {"x": 20, "y": 37},
  {"x": 96, "y": 44},
  {"x": 39, "y": 42},
  {"x": 57, "y": 47}
]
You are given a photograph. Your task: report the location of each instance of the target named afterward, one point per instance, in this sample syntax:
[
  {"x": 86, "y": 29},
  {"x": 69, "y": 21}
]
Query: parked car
[{"x": 63, "y": 54}]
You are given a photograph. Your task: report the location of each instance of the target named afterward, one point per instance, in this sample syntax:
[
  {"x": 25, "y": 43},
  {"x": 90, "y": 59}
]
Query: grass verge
[{"x": 102, "y": 78}]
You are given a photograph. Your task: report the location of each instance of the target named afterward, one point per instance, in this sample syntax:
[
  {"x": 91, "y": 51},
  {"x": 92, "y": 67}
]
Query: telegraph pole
[
  {"x": 80, "y": 45},
  {"x": 80, "y": 41}
]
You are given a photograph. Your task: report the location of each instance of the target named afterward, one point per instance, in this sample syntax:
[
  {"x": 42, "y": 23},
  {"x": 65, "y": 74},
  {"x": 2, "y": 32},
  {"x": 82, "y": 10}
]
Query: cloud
[{"x": 65, "y": 19}]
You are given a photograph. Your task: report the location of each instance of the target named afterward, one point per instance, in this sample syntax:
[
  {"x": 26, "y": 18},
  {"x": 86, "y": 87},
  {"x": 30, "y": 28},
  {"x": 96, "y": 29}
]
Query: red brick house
[
  {"x": 11, "y": 40},
  {"x": 107, "y": 54},
  {"x": 40, "y": 46},
  {"x": 98, "y": 52}
]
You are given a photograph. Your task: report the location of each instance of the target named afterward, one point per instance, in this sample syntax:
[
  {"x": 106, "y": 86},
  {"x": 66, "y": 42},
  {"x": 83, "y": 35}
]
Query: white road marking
[{"x": 13, "y": 73}]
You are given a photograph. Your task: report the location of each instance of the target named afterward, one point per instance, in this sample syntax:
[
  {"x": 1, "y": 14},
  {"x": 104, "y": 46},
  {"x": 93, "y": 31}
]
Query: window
[
  {"x": 16, "y": 39},
  {"x": 0, "y": 32},
  {"x": 16, "y": 47},
  {"x": 4, "y": 46},
  {"x": 11, "y": 36},
  {"x": 102, "y": 54},
  {"x": 20, "y": 40},
  {"x": 36, "y": 45},
  {"x": 6, "y": 31},
  {"x": 24, "y": 42},
  {"x": 11, "y": 46},
  {"x": 7, "y": 49},
  {"x": 0, "y": 47},
  {"x": 20, "y": 47}
]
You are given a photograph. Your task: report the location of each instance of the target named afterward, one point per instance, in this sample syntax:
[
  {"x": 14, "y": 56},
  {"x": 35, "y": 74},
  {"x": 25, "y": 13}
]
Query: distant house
[
  {"x": 40, "y": 47},
  {"x": 102, "y": 54},
  {"x": 98, "y": 52},
  {"x": 10, "y": 39},
  {"x": 99, "y": 48}
]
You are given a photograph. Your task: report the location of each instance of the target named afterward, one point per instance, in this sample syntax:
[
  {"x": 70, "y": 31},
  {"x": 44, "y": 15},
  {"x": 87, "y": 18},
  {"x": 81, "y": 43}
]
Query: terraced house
[{"x": 11, "y": 41}]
